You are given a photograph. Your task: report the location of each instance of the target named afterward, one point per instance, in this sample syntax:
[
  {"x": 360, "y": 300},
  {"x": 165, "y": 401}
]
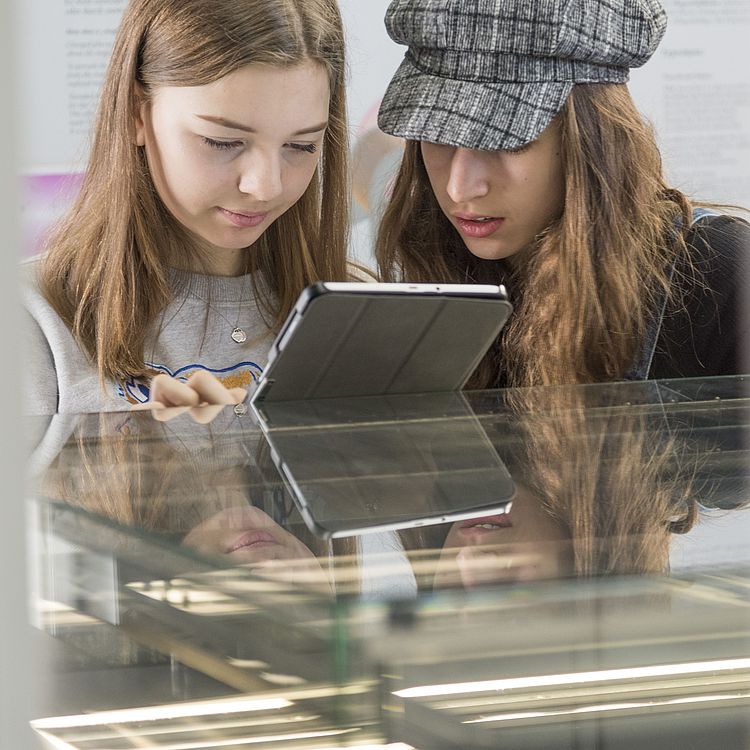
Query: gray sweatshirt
[{"x": 193, "y": 333}]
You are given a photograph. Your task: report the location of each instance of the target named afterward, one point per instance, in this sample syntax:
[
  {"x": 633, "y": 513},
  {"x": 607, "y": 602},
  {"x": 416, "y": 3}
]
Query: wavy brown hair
[
  {"x": 617, "y": 477},
  {"x": 583, "y": 293},
  {"x": 106, "y": 267}
]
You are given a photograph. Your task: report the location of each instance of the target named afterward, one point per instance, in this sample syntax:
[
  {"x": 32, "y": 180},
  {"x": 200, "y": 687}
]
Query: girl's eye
[
  {"x": 222, "y": 145},
  {"x": 308, "y": 148}
]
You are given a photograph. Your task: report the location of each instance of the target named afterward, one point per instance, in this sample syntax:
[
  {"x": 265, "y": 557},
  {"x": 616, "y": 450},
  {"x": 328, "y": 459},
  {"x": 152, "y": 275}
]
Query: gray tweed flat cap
[{"x": 491, "y": 74}]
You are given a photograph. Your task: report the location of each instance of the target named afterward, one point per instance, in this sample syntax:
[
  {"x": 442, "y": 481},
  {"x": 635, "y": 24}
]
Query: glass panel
[{"x": 544, "y": 557}]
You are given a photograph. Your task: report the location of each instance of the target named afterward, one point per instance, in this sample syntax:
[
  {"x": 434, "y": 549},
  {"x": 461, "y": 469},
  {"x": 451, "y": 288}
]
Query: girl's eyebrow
[{"x": 247, "y": 129}]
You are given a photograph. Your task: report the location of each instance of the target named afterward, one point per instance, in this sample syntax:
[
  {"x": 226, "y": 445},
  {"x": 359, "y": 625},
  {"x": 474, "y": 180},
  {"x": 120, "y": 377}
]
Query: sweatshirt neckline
[{"x": 216, "y": 290}]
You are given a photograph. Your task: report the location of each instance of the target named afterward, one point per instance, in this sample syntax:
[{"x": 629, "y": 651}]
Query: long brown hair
[
  {"x": 106, "y": 268},
  {"x": 584, "y": 292},
  {"x": 616, "y": 477}
]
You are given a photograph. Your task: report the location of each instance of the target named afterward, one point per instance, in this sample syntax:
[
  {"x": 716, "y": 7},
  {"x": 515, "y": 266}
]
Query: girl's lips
[
  {"x": 470, "y": 227},
  {"x": 251, "y": 539},
  {"x": 487, "y": 524},
  {"x": 243, "y": 220}
]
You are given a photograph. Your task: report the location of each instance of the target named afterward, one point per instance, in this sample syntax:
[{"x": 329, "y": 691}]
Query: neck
[
  {"x": 222, "y": 262},
  {"x": 214, "y": 261}
]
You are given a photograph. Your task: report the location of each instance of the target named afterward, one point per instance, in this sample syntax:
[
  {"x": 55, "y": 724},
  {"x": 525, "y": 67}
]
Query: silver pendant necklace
[{"x": 238, "y": 334}]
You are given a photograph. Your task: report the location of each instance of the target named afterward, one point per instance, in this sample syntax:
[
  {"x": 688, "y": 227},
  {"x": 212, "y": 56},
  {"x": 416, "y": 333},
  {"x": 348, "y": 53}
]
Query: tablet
[
  {"x": 373, "y": 464},
  {"x": 358, "y": 339}
]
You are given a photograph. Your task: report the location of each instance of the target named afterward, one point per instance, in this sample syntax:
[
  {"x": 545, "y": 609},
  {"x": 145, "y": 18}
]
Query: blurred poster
[
  {"x": 695, "y": 90},
  {"x": 66, "y": 45}
]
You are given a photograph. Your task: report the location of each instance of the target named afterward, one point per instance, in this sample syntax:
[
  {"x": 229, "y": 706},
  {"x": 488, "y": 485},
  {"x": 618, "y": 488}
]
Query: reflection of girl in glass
[
  {"x": 218, "y": 501},
  {"x": 601, "y": 490}
]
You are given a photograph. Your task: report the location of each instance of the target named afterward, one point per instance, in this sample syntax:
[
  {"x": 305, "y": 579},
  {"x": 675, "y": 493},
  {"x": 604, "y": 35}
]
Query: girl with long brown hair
[
  {"x": 527, "y": 163},
  {"x": 216, "y": 190}
]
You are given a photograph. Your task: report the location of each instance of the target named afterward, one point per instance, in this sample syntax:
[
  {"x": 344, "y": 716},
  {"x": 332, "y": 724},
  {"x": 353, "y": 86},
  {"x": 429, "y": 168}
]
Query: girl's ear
[{"x": 140, "y": 107}]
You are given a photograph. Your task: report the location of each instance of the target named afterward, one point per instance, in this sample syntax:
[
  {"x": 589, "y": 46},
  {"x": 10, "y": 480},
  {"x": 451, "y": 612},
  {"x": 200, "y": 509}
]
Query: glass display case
[{"x": 560, "y": 567}]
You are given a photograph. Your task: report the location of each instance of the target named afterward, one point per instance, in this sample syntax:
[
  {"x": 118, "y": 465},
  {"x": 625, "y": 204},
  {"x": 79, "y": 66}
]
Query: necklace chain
[{"x": 238, "y": 334}]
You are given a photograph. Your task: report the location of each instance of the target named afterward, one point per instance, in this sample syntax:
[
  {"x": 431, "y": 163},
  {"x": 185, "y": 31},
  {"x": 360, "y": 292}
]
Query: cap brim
[{"x": 488, "y": 116}]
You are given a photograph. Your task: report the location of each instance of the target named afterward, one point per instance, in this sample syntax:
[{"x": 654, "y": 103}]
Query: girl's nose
[
  {"x": 468, "y": 178},
  {"x": 261, "y": 177}
]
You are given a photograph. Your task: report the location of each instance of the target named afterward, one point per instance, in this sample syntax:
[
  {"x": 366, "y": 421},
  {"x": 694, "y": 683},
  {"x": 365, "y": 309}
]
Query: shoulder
[
  {"x": 32, "y": 297},
  {"x": 29, "y": 269},
  {"x": 703, "y": 334},
  {"x": 42, "y": 330},
  {"x": 29, "y": 277},
  {"x": 44, "y": 324},
  {"x": 718, "y": 260},
  {"x": 719, "y": 243}
]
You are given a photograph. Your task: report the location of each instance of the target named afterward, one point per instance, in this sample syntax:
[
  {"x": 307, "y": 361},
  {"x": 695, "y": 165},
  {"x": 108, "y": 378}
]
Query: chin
[
  {"x": 490, "y": 252},
  {"x": 238, "y": 241}
]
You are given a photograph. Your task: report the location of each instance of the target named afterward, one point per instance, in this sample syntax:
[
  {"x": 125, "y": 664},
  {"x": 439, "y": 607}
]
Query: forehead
[{"x": 259, "y": 96}]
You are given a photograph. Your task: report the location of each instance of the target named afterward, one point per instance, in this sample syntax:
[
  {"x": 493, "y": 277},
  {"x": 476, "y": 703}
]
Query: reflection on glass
[
  {"x": 248, "y": 536},
  {"x": 494, "y": 488},
  {"x": 600, "y": 492},
  {"x": 191, "y": 541},
  {"x": 388, "y": 462},
  {"x": 217, "y": 495}
]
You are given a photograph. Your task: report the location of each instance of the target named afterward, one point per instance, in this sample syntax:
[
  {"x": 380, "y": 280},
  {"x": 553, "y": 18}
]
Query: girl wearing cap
[
  {"x": 216, "y": 190},
  {"x": 528, "y": 164}
]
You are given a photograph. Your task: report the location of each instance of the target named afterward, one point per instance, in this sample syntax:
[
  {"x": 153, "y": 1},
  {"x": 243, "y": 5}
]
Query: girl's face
[
  {"x": 228, "y": 158},
  {"x": 245, "y": 535},
  {"x": 525, "y": 544},
  {"x": 499, "y": 201}
]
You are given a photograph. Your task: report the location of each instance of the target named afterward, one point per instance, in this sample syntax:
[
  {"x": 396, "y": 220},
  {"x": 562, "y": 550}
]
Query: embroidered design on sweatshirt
[{"x": 241, "y": 375}]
